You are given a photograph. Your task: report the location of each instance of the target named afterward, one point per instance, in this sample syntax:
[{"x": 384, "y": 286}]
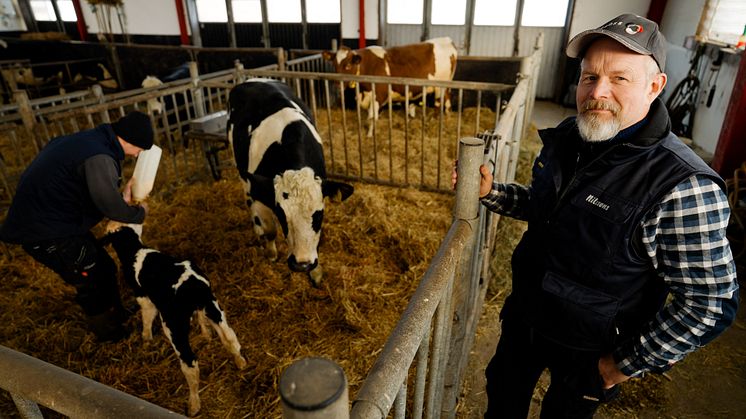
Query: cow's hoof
[
  {"x": 193, "y": 408},
  {"x": 315, "y": 276},
  {"x": 270, "y": 251},
  {"x": 240, "y": 362}
]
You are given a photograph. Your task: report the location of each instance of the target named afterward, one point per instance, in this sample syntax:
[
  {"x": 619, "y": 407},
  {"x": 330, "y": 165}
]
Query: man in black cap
[
  {"x": 625, "y": 266},
  {"x": 70, "y": 186}
]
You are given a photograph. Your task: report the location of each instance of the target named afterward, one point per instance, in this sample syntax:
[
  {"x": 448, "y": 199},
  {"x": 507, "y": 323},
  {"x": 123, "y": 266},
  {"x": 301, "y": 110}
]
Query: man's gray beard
[{"x": 593, "y": 129}]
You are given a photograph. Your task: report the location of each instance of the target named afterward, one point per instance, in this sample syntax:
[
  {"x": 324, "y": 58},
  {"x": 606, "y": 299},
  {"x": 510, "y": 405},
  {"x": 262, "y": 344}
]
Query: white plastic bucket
[{"x": 145, "y": 171}]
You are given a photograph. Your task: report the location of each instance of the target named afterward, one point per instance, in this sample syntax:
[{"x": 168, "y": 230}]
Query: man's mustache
[{"x": 599, "y": 105}]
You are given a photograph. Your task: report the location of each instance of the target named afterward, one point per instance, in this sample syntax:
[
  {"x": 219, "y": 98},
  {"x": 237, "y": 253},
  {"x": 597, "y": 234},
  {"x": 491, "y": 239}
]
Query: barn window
[
  {"x": 284, "y": 11},
  {"x": 247, "y": 11},
  {"x": 67, "y": 10},
  {"x": 544, "y": 13},
  {"x": 43, "y": 10},
  {"x": 494, "y": 12},
  {"x": 211, "y": 11},
  {"x": 448, "y": 12},
  {"x": 722, "y": 21},
  {"x": 323, "y": 11},
  {"x": 404, "y": 12}
]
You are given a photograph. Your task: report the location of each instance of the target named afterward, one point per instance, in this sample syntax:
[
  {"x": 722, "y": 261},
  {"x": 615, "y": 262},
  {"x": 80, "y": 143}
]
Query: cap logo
[
  {"x": 633, "y": 28},
  {"x": 612, "y": 23}
]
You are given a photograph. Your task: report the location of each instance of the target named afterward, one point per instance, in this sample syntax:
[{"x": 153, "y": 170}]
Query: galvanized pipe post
[
  {"x": 98, "y": 93},
  {"x": 471, "y": 156},
  {"x": 239, "y": 73},
  {"x": 314, "y": 388},
  {"x": 197, "y": 94},
  {"x": 20, "y": 97}
]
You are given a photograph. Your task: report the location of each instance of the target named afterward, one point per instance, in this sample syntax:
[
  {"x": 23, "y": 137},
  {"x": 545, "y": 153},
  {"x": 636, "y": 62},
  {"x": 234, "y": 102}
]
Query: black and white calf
[
  {"x": 175, "y": 290},
  {"x": 279, "y": 157}
]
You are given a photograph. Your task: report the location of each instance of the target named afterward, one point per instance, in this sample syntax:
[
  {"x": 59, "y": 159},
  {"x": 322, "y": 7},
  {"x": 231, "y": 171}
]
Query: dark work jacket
[
  {"x": 52, "y": 200},
  {"x": 581, "y": 276}
]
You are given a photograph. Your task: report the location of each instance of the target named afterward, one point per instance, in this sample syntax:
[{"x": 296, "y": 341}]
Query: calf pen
[{"x": 437, "y": 328}]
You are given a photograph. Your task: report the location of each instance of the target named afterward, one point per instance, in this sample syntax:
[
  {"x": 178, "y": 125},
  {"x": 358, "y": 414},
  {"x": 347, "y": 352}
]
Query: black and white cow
[
  {"x": 175, "y": 290},
  {"x": 279, "y": 157}
]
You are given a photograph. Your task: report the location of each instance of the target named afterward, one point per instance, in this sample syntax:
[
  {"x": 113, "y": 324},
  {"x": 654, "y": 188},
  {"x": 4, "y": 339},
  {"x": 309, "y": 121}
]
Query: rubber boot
[{"x": 108, "y": 326}]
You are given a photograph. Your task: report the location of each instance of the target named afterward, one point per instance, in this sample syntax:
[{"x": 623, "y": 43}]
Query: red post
[
  {"x": 82, "y": 31},
  {"x": 730, "y": 152},
  {"x": 361, "y": 40},
  {"x": 181, "y": 15}
]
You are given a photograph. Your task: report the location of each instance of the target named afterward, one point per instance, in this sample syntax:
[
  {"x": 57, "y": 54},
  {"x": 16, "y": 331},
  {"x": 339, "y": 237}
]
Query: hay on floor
[{"x": 374, "y": 248}]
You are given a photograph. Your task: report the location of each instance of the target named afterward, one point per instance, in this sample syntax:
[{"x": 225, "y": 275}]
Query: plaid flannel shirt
[{"x": 684, "y": 236}]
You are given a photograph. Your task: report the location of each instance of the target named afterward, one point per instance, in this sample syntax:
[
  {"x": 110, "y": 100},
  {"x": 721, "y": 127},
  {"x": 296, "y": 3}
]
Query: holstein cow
[
  {"x": 434, "y": 59},
  {"x": 279, "y": 158}
]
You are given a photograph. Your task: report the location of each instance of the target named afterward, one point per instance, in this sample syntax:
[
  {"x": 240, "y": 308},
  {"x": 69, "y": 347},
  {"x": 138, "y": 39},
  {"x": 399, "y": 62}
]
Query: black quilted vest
[{"x": 580, "y": 274}]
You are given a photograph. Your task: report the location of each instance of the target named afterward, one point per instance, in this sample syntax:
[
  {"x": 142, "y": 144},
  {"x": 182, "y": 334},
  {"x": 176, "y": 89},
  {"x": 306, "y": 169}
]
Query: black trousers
[
  {"x": 83, "y": 263},
  {"x": 576, "y": 388}
]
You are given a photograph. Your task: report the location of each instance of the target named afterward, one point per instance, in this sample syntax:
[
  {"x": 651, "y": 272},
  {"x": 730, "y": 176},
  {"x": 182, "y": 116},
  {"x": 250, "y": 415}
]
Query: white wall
[
  {"x": 590, "y": 14},
  {"x": 144, "y": 17},
  {"x": 351, "y": 19}
]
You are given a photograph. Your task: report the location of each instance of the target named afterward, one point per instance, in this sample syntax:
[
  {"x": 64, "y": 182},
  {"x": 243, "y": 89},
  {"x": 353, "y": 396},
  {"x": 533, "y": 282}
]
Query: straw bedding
[{"x": 374, "y": 248}]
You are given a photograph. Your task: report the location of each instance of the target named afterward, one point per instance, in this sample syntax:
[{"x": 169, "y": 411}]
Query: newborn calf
[{"x": 175, "y": 290}]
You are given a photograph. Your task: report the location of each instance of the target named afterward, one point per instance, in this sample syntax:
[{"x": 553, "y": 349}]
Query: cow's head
[
  {"x": 299, "y": 207},
  {"x": 345, "y": 61}
]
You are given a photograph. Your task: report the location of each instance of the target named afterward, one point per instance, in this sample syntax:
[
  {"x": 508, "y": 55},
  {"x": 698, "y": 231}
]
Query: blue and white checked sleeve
[
  {"x": 508, "y": 199},
  {"x": 685, "y": 237}
]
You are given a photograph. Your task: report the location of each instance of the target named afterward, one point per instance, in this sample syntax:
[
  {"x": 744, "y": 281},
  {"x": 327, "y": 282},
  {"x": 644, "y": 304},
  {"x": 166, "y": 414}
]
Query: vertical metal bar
[
  {"x": 26, "y": 408},
  {"x": 16, "y": 147},
  {"x": 391, "y": 133},
  {"x": 432, "y": 391},
  {"x": 175, "y": 105},
  {"x": 329, "y": 122},
  {"x": 422, "y": 137},
  {"x": 479, "y": 110},
  {"x": 312, "y": 88},
  {"x": 447, "y": 325},
  {"x": 440, "y": 136},
  {"x": 421, "y": 374},
  {"x": 460, "y": 117},
  {"x": 197, "y": 95},
  {"x": 265, "y": 24},
  {"x": 359, "y": 129},
  {"x": 406, "y": 134},
  {"x": 194, "y": 22},
  {"x": 344, "y": 127},
  {"x": 304, "y": 23},
  {"x": 470, "y": 4},
  {"x": 400, "y": 404},
  {"x": 27, "y": 116},
  {"x": 373, "y": 103},
  {"x": 231, "y": 24}
]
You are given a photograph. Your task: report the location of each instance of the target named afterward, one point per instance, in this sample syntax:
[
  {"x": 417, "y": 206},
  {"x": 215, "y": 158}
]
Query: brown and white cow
[{"x": 434, "y": 59}]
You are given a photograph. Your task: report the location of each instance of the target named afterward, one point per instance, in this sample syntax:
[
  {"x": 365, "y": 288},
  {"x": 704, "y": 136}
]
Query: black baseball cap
[{"x": 634, "y": 32}]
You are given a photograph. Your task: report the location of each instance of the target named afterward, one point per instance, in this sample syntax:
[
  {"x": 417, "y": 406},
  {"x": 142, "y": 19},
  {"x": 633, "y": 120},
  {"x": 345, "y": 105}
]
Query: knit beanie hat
[{"x": 135, "y": 129}]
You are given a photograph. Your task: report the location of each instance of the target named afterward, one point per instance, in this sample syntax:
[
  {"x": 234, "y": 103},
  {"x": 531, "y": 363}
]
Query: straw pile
[{"x": 374, "y": 248}]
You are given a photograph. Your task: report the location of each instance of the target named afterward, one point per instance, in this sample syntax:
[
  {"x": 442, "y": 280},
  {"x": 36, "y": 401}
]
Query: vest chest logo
[{"x": 596, "y": 202}]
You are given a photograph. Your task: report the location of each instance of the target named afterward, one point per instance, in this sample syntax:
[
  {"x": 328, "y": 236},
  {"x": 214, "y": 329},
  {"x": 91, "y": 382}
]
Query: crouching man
[{"x": 71, "y": 185}]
